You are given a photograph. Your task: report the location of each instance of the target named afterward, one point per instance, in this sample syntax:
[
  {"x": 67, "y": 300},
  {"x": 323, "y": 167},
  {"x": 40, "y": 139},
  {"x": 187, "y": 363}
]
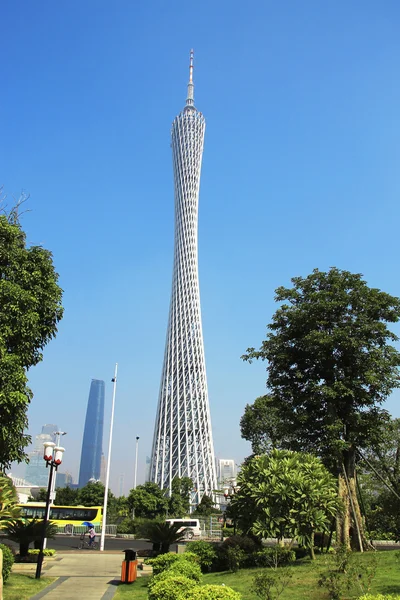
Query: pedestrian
[{"x": 92, "y": 535}]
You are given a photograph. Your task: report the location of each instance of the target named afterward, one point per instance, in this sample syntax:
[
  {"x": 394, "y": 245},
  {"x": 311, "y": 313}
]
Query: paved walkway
[{"x": 92, "y": 576}]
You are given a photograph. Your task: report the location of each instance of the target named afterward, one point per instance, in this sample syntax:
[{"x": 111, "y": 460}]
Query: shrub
[
  {"x": 173, "y": 587},
  {"x": 214, "y": 592},
  {"x": 270, "y": 584},
  {"x": 379, "y": 597},
  {"x": 8, "y": 561},
  {"x": 186, "y": 568},
  {"x": 126, "y": 526},
  {"x": 277, "y": 556},
  {"x": 235, "y": 558},
  {"x": 205, "y": 551},
  {"x": 165, "y": 561},
  {"x": 46, "y": 552},
  {"x": 243, "y": 542}
]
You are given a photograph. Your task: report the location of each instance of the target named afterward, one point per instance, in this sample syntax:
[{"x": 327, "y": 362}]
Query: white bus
[{"x": 192, "y": 526}]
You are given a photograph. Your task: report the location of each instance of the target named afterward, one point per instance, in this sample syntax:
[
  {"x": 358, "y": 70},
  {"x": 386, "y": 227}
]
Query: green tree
[
  {"x": 148, "y": 501},
  {"x": 92, "y": 494},
  {"x": 330, "y": 368},
  {"x": 179, "y": 500},
  {"x": 285, "y": 494},
  {"x": 67, "y": 496},
  {"x": 259, "y": 424},
  {"x": 206, "y": 507},
  {"x": 30, "y": 308}
]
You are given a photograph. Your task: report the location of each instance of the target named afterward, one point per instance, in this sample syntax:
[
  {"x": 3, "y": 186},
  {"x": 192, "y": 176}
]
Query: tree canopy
[
  {"x": 285, "y": 494},
  {"x": 30, "y": 308},
  {"x": 331, "y": 365},
  {"x": 148, "y": 501}
]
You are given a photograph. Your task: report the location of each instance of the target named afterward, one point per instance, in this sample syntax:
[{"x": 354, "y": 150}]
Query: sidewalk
[{"x": 89, "y": 575}]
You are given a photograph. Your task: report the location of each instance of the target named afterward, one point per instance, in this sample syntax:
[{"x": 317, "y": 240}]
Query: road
[{"x": 67, "y": 542}]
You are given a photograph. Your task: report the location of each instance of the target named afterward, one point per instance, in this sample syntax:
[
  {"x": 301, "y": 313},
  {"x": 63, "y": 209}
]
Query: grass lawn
[
  {"x": 23, "y": 587},
  {"x": 304, "y": 584}
]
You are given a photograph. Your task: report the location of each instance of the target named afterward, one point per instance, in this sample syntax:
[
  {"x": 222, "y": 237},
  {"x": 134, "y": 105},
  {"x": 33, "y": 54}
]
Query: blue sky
[{"x": 300, "y": 170}]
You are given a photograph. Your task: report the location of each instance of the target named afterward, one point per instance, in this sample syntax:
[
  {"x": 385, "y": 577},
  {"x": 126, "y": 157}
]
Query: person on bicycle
[{"x": 92, "y": 535}]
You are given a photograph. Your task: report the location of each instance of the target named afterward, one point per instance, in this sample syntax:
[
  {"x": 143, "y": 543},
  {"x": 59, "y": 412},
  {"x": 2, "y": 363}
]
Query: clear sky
[{"x": 300, "y": 170}]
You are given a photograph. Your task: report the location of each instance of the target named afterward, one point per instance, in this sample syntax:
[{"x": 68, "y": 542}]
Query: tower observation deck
[{"x": 183, "y": 444}]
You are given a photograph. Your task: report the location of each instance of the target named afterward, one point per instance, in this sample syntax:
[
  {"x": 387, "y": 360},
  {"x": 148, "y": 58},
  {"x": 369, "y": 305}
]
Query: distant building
[
  {"x": 226, "y": 470},
  {"x": 64, "y": 480},
  {"x": 36, "y": 472},
  {"x": 92, "y": 443},
  {"x": 103, "y": 466}
]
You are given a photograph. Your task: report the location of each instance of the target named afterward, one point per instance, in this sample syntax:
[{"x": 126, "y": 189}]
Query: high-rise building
[
  {"x": 226, "y": 470},
  {"x": 182, "y": 443},
  {"x": 92, "y": 443},
  {"x": 36, "y": 472}
]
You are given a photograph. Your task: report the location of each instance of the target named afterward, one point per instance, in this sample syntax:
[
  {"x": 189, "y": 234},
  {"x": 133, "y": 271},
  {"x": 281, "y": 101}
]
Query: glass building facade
[
  {"x": 36, "y": 472},
  {"x": 92, "y": 443}
]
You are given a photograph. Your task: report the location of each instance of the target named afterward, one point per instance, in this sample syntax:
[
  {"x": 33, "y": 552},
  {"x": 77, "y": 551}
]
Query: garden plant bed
[{"x": 304, "y": 584}]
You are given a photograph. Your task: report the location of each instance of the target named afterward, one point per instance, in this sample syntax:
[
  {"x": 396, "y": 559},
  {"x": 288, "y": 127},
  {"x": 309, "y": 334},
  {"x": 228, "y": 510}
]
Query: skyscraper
[
  {"x": 92, "y": 443},
  {"x": 36, "y": 472},
  {"x": 182, "y": 444}
]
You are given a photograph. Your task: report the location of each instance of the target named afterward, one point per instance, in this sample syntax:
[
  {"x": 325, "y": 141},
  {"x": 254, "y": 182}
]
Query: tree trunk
[
  {"x": 23, "y": 548},
  {"x": 350, "y": 524},
  {"x": 312, "y": 554}
]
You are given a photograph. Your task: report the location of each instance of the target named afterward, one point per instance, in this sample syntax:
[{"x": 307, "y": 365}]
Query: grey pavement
[{"x": 89, "y": 575}]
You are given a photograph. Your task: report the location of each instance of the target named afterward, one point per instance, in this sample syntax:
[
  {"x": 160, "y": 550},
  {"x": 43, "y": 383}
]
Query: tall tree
[
  {"x": 179, "y": 500},
  {"x": 92, "y": 494},
  {"x": 148, "y": 501},
  {"x": 330, "y": 368},
  {"x": 68, "y": 496},
  {"x": 30, "y": 308}
]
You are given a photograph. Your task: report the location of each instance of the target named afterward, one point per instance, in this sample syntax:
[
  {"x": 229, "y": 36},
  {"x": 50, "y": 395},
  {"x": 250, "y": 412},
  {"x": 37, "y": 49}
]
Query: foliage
[
  {"x": 46, "y": 552},
  {"x": 68, "y": 496},
  {"x": 235, "y": 557},
  {"x": 274, "y": 557},
  {"x": 8, "y": 500},
  {"x": 126, "y": 526},
  {"x": 186, "y": 568},
  {"x": 164, "y": 561},
  {"x": 148, "y": 501},
  {"x": 205, "y": 551},
  {"x": 206, "y": 507},
  {"x": 40, "y": 496},
  {"x": 175, "y": 587},
  {"x": 179, "y": 500},
  {"x": 214, "y": 592},
  {"x": 259, "y": 424},
  {"x": 8, "y": 561},
  {"x": 344, "y": 570},
  {"x": 285, "y": 494},
  {"x": 92, "y": 494},
  {"x": 270, "y": 584},
  {"x": 26, "y": 532},
  {"x": 30, "y": 308},
  {"x": 379, "y": 597},
  {"x": 243, "y": 542},
  {"x": 162, "y": 535}
]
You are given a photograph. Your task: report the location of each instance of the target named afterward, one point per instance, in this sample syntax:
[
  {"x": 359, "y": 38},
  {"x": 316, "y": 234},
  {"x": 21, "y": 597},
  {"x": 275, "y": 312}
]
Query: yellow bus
[{"x": 64, "y": 516}]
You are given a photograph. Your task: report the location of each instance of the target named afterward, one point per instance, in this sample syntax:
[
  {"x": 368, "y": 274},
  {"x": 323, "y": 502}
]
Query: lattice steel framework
[{"x": 182, "y": 444}]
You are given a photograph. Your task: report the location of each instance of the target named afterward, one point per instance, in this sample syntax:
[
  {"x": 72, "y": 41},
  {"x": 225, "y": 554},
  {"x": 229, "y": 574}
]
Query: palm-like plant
[
  {"x": 9, "y": 510},
  {"x": 25, "y": 532},
  {"x": 162, "y": 535}
]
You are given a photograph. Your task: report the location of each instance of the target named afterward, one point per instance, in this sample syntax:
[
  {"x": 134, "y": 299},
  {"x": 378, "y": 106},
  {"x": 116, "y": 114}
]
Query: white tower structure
[{"x": 182, "y": 444}]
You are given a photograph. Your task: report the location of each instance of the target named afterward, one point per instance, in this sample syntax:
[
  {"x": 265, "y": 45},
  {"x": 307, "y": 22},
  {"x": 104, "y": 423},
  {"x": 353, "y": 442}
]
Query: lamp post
[
  {"x": 58, "y": 435},
  {"x": 53, "y": 456},
  {"x": 104, "y": 523},
  {"x": 136, "y": 459}
]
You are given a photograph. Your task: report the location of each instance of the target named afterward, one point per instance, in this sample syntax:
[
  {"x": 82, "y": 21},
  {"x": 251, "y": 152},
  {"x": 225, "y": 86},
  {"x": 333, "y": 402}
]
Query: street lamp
[
  {"x": 136, "y": 459},
  {"x": 53, "y": 456}
]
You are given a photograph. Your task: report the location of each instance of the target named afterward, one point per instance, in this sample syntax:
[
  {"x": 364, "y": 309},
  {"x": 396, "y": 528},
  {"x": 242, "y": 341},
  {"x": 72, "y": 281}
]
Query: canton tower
[{"x": 183, "y": 444}]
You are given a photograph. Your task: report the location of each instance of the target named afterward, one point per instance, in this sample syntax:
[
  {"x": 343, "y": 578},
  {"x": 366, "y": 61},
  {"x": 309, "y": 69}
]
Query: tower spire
[{"x": 190, "y": 93}]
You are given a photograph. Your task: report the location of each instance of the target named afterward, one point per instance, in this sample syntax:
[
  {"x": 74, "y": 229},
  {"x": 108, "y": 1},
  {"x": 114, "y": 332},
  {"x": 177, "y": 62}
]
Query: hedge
[
  {"x": 8, "y": 561},
  {"x": 171, "y": 588},
  {"x": 214, "y": 592}
]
